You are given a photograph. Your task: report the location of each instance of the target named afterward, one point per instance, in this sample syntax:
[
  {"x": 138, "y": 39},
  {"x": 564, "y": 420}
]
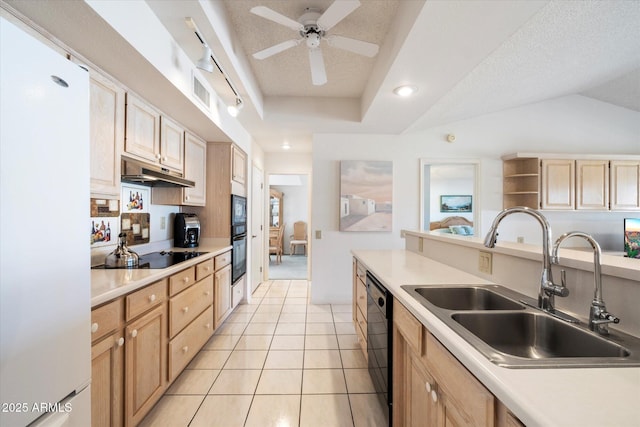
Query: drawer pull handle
[
  {"x": 428, "y": 387},
  {"x": 207, "y": 326},
  {"x": 185, "y": 348},
  {"x": 186, "y": 280},
  {"x": 120, "y": 342},
  {"x": 207, "y": 268},
  {"x": 134, "y": 333},
  {"x": 207, "y": 293},
  {"x": 434, "y": 396},
  {"x": 152, "y": 297},
  {"x": 185, "y": 309},
  {"x": 94, "y": 328},
  {"x": 157, "y": 155}
]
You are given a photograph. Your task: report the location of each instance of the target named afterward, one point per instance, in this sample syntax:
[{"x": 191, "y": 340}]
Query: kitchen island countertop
[
  {"x": 108, "y": 284},
  {"x": 538, "y": 397}
]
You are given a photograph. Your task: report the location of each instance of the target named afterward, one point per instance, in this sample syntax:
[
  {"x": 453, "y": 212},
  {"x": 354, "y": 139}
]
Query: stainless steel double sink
[{"x": 496, "y": 321}]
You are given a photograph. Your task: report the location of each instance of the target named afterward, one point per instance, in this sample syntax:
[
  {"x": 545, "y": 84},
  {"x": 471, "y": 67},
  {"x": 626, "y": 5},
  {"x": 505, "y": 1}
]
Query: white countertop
[
  {"x": 538, "y": 397},
  {"x": 108, "y": 284}
]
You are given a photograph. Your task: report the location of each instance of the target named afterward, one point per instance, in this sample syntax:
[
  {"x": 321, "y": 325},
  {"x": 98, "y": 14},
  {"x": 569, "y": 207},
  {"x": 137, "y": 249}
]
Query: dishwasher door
[{"x": 379, "y": 340}]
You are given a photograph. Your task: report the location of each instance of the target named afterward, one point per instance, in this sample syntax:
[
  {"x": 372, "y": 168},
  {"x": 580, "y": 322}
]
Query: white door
[{"x": 257, "y": 228}]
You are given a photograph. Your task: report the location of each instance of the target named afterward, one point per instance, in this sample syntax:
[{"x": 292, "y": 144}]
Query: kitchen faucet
[
  {"x": 548, "y": 289},
  {"x": 599, "y": 317}
]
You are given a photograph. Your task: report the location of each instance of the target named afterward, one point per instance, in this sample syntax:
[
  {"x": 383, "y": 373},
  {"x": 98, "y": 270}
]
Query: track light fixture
[
  {"x": 204, "y": 63},
  {"x": 207, "y": 62},
  {"x": 234, "y": 110}
]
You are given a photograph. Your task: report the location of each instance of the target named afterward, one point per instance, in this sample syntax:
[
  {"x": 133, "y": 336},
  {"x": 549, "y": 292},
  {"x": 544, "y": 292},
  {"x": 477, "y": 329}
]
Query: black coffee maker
[{"x": 186, "y": 230}]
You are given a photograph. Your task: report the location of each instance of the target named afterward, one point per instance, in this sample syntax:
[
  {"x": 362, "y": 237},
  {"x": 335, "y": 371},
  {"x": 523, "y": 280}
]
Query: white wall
[{"x": 572, "y": 124}]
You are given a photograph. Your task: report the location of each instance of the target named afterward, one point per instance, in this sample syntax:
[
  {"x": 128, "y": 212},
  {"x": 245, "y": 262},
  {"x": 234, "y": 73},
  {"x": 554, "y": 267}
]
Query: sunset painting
[{"x": 366, "y": 194}]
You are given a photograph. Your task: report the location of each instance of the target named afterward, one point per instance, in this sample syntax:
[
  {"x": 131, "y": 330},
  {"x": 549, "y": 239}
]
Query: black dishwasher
[{"x": 379, "y": 340}]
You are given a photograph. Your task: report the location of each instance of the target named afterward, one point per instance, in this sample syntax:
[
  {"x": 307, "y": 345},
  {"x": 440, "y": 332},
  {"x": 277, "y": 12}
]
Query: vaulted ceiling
[{"x": 467, "y": 58}]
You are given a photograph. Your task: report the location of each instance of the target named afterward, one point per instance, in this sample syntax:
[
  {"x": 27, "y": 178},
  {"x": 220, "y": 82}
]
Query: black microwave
[{"x": 238, "y": 210}]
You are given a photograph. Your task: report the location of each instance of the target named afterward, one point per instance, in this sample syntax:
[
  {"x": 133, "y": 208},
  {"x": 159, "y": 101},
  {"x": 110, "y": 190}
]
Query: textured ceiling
[
  {"x": 287, "y": 73},
  {"x": 468, "y": 58}
]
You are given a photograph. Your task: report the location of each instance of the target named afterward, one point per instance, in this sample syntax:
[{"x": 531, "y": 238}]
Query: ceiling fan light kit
[{"x": 312, "y": 27}]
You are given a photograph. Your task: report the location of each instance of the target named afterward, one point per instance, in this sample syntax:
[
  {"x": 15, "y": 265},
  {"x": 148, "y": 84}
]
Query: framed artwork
[
  {"x": 135, "y": 199},
  {"x": 366, "y": 195},
  {"x": 456, "y": 203},
  {"x": 104, "y": 231}
]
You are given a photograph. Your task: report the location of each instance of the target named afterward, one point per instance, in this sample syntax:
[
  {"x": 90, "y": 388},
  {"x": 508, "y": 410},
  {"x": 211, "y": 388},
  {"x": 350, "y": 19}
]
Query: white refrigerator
[{"x": 45, "y": 303}]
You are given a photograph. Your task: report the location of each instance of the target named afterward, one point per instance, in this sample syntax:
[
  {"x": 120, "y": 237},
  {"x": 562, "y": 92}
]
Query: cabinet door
[
  {"x": 146, "y": 363},
  {"x": 106, "y": 123},
  {"x": 171, "y": 144},
  {"x": 423, "y": 407},
  {"x": 238, "y": 165},
  {"x": 592, "y": 184},
  {"x": 558, "y": 184},
  {"x": 222, "y": 295},
  {"x": 142, "y": 132},
  {"x": 625, "y": 185},
  {"x": 195, "y": 169},
  {"x": 107, "y": 377}
]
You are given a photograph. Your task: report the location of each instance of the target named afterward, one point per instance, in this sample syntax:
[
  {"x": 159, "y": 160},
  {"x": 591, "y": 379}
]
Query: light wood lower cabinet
[
  {"x": 222, "y": 294},
  {"x": 431, "y": 387},
  {"x": 145, "y": 363},
  {"x": 107, "y": 376},
  {"x": 360, "y": 304}
]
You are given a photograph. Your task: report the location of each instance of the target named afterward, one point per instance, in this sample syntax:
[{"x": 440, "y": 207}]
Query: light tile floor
[{"x": 278, "y": 361}]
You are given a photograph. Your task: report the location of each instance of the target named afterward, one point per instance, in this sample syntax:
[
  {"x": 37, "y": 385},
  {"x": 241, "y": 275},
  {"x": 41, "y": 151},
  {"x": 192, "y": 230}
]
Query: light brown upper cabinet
[
  {"x": 597, "y": 183},
  {"x": 171, "y": 144},
  {"x": 625, "y": 185},
  {"x": 592, "y": 184},
  {"x": 558, "y": 184},
  {"x": 195, "y": 169},
  {"x": 107, "y": 135},
  {"x": 142, "y": 131},
  {"x": 238, "y": 165}
]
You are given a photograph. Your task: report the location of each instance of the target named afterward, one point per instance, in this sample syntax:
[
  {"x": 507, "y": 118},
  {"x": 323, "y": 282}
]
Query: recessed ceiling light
[
  {"x": 285, "y": 145},
  {"x": 406, "y": 90}
]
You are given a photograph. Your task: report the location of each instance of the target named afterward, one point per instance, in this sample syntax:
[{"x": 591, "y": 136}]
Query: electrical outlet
[
  {"x": 318, "y": 234},
  {"x": 485, "y": 262},
  {"x": 520, "y": 239},
  {"x": 163, "y": 223}
]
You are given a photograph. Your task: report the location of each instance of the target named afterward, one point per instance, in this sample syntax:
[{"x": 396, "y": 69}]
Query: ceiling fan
[{"x": 312, "y": 27}]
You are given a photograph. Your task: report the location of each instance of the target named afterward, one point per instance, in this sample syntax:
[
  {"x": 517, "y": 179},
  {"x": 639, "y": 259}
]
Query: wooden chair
[
  {"x": 275, "y": 243},
  {"x": 299, "y": 237}
]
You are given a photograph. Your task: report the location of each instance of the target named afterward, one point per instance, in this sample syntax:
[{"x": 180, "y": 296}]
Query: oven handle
[{"x": 239, "y": 237}]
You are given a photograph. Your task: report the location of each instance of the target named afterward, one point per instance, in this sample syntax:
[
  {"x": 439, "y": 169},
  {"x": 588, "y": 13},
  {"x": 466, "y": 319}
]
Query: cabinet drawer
[
  {"x": 409, "y": 327},
  {"x": 222, "y": 260},
  {"x": 204, "y": 269},
  {"x": 146, "y": 298},
  {"x": 187, "y": 305},
  {"x": 361, "y": 298},
  {"x": 361, "y": 272},
  {"x": 105, "y": 319},
  {"x": 460, "y": 385},
  {"x": 181, "y": 280},
  {"x": 188, "y": 342},
  {"x": 361, "y": 319}
]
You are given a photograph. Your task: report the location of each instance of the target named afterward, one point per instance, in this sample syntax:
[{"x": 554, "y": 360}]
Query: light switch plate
[
  {"x": 485, "y": 262},
  {"x": 318, "y": 234}
]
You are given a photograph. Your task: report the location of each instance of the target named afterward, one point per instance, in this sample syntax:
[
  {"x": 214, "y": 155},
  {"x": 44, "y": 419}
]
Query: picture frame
[
  {"x": 456, "y": 203},
  {"x": 366, "y": 195}
]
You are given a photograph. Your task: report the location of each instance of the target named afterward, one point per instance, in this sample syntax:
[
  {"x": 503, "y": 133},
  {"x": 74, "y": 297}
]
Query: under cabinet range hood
[{"x": 140, "y": 173}]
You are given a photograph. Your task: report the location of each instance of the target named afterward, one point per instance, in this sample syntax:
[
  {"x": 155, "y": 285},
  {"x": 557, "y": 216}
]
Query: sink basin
[
  {"x": 467, "y": 298},
  {"x": 536, "y": 336},
  {"x": 505, "y": 327}
]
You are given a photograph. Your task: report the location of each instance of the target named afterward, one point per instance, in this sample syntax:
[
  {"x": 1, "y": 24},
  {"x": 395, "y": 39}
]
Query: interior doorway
[
  {"x": 289, "y": 227},
  {"x": 257, "y": 228}
]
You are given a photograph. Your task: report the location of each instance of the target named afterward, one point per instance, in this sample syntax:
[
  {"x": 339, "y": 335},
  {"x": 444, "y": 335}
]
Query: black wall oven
[{"x": 238, "y": 237}]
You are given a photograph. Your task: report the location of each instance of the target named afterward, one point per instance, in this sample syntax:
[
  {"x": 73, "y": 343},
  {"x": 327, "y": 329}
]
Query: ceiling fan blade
[
  {"x": 353, "y": 45},
  {"x": 280, "y": 47},
  {"x": 276, "y": 17},
  {"x": 318, "y": 72},
  {"x": 338, "y": 10}
]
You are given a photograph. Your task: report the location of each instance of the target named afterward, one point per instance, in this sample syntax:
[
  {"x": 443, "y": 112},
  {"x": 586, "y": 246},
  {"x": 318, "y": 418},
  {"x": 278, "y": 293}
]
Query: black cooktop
[{"x": 162, "y": 259}]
